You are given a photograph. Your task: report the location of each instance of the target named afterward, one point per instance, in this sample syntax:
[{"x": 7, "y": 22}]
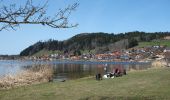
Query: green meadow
[{"x": 155, "y": 43}]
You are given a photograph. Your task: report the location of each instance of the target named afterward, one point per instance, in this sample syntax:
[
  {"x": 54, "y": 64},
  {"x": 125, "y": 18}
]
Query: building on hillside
[
  {"x": 167, "y": 38},
  {"x": 167, "y": 54},
  {"x": 167, "y": 49}
]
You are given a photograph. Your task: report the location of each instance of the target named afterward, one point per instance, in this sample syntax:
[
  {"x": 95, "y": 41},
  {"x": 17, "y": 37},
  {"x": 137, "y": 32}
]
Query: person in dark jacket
[{"x": 98, "y": 76}]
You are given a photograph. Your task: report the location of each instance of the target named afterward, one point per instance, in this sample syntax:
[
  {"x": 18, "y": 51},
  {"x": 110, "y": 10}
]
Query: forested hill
[{"x": 96, "y": 42}]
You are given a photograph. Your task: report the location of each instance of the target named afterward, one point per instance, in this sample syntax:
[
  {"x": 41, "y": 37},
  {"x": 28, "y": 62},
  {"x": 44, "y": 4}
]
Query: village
[{"x": 138, "y": 54}]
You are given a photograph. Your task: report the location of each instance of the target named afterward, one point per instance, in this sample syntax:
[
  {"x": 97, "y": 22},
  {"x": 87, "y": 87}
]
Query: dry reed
[
  {"x": 158, "y": 64},
  {"x": 27, "y": 77}
]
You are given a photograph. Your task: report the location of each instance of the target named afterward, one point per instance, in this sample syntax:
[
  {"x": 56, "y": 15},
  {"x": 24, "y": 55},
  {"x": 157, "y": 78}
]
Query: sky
[{"x": 111, "y": 16}]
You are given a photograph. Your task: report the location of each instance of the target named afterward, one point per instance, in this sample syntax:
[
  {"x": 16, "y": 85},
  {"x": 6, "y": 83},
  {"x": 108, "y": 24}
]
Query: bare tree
[{"x": 13, "y": 16}]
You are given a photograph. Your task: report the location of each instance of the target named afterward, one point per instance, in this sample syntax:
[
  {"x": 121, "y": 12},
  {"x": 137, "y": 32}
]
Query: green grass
[
  {"x": 88, "y": 51},
  {"x": 46, "y": 52},
  {"x": 152, "y": 84},
  {"x": 153, "y": 43}
]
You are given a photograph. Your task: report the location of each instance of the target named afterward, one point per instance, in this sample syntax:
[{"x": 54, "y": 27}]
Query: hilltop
[{"x": 94, "y": 43}]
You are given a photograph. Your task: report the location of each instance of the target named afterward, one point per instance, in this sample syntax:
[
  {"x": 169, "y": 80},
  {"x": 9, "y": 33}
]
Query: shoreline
[
  {"x": 133, "y": 86},
  {"x": 12, "y": 81},
  {"x": 74, "y": 61}
]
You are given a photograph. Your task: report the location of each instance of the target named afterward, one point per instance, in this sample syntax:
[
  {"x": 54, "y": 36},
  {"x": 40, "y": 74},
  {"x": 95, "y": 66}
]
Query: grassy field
[
  {"x": 153, "y": 43},
  {"x": 46, "y": 52},
  {"x": 152, "y": 84}
]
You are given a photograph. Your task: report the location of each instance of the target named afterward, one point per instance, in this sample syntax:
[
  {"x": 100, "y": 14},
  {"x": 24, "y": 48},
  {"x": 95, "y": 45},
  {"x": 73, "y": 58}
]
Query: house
[
  {"x": 167, "y": 49},
  {"x": 124, "y": 57},
  {"x": 167, "y": 54},
  {"x": 167, "y": 38}
]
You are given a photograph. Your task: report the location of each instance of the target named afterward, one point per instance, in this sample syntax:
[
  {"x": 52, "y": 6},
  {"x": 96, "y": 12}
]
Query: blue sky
[{"x": 112, "y": 16}]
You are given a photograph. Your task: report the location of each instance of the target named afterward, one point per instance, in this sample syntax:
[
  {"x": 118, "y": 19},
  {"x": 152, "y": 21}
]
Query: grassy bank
[{"x": 149, "y": 84}]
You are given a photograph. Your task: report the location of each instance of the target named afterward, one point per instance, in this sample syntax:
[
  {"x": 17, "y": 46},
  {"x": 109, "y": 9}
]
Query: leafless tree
[{"x": 13, "y": 16}]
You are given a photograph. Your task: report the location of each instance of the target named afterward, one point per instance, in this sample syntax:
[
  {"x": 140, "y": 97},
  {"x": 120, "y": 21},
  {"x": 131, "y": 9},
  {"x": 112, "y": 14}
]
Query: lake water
[{"x": 66, "y": 69}]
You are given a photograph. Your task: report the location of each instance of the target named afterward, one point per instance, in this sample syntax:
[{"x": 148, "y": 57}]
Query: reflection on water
[{"x": 68, "y": 69}]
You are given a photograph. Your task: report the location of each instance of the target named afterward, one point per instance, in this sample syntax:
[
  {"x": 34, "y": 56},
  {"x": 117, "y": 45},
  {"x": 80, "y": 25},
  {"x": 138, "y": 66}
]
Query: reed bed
[
  {"x": 158, "y": 64},
  {"x": 27, "y": 77}
]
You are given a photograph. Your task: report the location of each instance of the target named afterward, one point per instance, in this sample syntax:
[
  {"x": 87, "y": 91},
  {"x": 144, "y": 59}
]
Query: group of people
[{"x": 117, "y": 71}]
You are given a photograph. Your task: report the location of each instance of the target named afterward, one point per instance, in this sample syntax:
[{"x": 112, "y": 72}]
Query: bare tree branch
[{"x": 13, "y": 16}]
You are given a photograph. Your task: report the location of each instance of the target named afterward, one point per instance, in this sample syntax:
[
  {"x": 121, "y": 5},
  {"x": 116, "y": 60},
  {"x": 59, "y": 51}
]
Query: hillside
[{"x": 92, "y": 43}]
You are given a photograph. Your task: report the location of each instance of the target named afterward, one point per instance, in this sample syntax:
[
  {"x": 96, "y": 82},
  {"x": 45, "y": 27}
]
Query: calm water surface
[{"x": 68, "y": 69}]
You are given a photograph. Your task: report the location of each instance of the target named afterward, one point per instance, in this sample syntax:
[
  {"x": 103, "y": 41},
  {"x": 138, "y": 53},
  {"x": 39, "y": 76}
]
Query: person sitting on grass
[{"x": 119, "y": 71}]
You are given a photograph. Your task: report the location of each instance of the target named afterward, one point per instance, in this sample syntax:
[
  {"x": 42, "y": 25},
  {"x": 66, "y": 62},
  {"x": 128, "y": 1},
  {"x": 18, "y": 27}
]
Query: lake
[{"x": 66, "y": 69}]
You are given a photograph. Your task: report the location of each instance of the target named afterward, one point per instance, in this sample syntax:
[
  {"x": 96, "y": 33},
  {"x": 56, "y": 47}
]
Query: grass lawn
[
  {"x": 153, "y": 43},
  {"x": 152, "y": 84}
]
